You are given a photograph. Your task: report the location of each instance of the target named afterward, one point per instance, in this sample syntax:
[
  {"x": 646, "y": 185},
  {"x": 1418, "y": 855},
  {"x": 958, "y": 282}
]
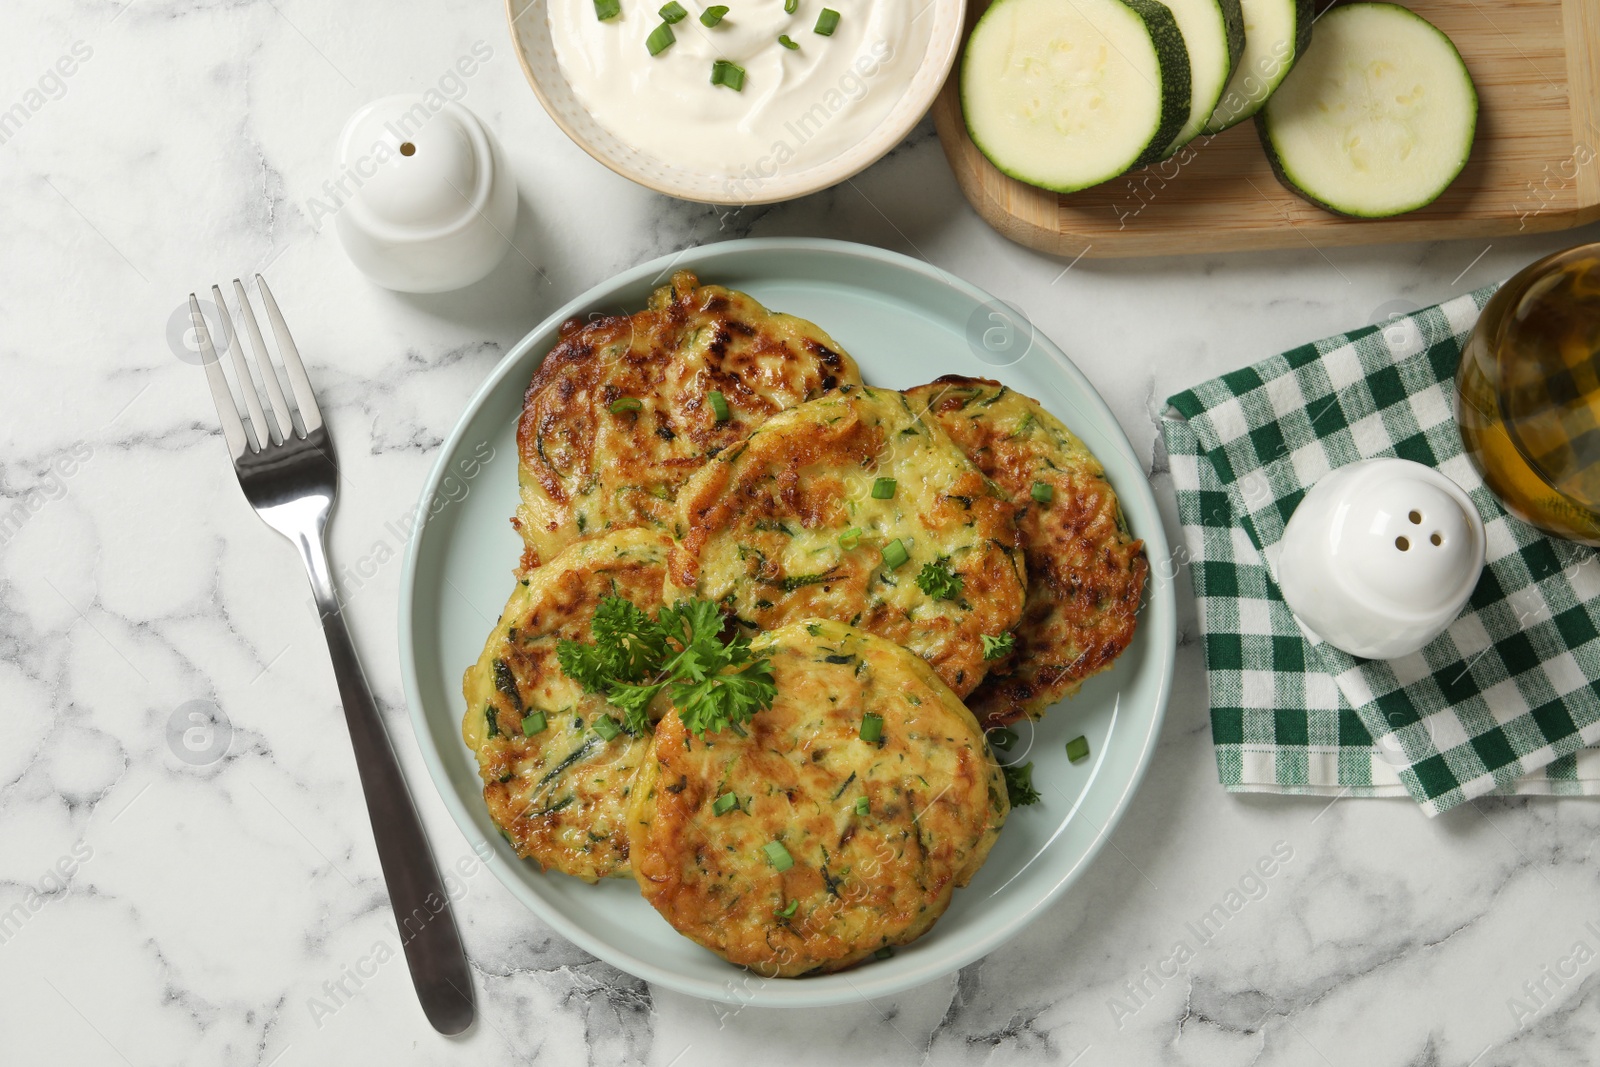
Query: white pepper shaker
[
  {"x": 1380, "y": 557},
  {"x": 434, "y": 206}
]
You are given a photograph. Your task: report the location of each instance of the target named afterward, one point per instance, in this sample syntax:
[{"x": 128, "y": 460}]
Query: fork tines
[{"x": 276, "y": 421}]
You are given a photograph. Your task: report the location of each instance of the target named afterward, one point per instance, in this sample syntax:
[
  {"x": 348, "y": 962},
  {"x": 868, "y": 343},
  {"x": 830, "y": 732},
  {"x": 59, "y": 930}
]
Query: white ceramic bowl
[{"x": 530, "y": 35}]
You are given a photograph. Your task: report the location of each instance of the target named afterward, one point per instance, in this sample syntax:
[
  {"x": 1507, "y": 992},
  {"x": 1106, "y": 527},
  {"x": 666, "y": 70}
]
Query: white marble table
[{"x": 231, "y": 912}]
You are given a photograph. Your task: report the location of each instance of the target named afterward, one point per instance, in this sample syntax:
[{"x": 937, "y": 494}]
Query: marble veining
[{"x": 172, "y": 891}]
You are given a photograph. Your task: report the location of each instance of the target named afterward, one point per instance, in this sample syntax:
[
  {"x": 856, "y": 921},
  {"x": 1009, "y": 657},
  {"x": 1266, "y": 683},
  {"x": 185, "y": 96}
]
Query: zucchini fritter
[
  {"x": 833, "y": 845},
  {"x": 1085, "y": 569},
  {"x": 559, "y": 792},
  {"x": 852, "y": 508},
  {"x": 620, "y": 413}
]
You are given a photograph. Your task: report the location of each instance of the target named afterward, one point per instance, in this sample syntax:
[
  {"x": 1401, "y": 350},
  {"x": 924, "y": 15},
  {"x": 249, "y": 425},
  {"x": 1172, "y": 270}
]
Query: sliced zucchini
[
  {"x": 1378, "y": 119},
  {"x": 1213, "y": 35},
  {"x": 1065, "y": 95},
  {"x": 1276, "y": 34}
]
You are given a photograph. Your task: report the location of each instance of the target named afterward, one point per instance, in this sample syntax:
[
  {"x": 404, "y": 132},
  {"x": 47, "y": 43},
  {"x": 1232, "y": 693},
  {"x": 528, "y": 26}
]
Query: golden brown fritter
[
  {"x": 557, "y": 787},
  {"x": 832, "y": 847},
  {"x": 619, "y": 414},
  {"x": 851, "y": 508},
  {"x": 1085, "y": 569}
]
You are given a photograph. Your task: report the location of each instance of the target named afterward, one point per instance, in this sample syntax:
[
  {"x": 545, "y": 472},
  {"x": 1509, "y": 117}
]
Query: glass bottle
[{"x": 1528, "y": 394}]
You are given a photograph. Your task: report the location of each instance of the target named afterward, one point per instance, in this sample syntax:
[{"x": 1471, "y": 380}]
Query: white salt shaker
[
  {"x": 1380, "y": 557},
  {"x": 434, "y": 206}
]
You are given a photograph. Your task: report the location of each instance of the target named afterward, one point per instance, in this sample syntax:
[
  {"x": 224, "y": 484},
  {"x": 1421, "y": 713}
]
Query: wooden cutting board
[{"x": 1535, "y": 165}]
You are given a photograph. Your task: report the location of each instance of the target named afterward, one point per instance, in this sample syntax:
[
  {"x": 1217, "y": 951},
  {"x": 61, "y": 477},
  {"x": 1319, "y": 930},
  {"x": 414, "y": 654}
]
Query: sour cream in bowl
[{"x": 746, "y": 102}]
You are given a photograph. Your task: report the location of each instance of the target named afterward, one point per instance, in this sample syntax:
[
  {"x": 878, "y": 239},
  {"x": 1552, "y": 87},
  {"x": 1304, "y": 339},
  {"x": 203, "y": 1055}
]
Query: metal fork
[{"x": 290, "y": 476}]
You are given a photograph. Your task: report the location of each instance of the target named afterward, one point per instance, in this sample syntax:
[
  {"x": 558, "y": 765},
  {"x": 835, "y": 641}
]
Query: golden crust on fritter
[
  {"x": 934, "y": 802},
  {"x": 787, "y": 526},
  {"x": 560, "y": 793},
  {"x": 619, "y": 415},
  {"x": 1084, "y": 568}
]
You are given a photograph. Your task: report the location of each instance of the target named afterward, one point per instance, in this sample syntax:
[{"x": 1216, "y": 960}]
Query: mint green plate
[{"x": 906, "y": 323}]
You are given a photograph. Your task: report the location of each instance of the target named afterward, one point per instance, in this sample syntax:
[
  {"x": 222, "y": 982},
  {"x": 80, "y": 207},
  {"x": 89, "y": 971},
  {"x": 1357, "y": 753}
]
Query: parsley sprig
[
  {"x": 714, "y": 684},
  {"x": 937, "y": 580},
  {"x": 1019, "y": 784},
  {"x": 998, "y": 647}
]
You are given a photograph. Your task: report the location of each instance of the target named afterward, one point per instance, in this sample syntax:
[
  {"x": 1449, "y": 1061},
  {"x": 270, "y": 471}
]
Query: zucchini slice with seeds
[
  {"x": 1069, "y": 95},
  {"x": 1276, "y": 35},
  {"x": 1378, "y": 119},
  {"x": 1213, "y": 35}
]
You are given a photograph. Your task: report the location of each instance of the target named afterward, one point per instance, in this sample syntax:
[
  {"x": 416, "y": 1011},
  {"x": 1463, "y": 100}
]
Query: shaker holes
[
  {"x": 1402, "y": 544},
  {"x": 409, "y": 149},
  {"x": 1436, "y": 539},
  {"x": 1416, "y": 518}
]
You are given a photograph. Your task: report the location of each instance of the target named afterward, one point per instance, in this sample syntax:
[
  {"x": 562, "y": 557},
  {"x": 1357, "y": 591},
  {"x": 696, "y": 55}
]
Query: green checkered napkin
[{"x": 1505, "y": 701}]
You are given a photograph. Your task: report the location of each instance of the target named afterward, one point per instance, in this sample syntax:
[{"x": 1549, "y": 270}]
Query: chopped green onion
[
  {"x": 883, "y": 953},
  {"x": 871, "y": 727},
  {"x": 1078, "y": 749},
  {"x": 719, "y": 405},
  {"x": 628, "y": 403},
  {"x": 729, "y": 74},
  {"x": 861, "y": 805},
  {"x": 491, "y": 721},
  {"x": 783, "y": 39},
  {"x": 606, "y": 727},
  {"x": 724, "y": 804},
  {"x": 883, "y": 489},
  {"x": 827, "y": 22},
  {"x": 779, "y": 855},
  {"x": 533, "y": 724},
  {"x": 894, "y": 553},
  {"x": 791, "y": 6},
  {"x": 606, "y": 10},
  {"x": 850, "y": 538},
  {"x": 1043, "y": 492},
  {"x": 713, "y": 15},
  {"x": 787, "y": 912},
  {"x": 661, "y": 38},
  {"x": 673, "y": 12}
]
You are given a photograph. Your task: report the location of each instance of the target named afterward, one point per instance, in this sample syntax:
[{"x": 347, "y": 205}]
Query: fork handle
[{"x": 421, "y": 904}]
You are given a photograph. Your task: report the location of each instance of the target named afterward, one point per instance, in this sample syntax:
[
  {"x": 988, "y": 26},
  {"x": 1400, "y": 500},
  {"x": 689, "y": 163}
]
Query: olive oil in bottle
[{"x": 1528, "y": 394}]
